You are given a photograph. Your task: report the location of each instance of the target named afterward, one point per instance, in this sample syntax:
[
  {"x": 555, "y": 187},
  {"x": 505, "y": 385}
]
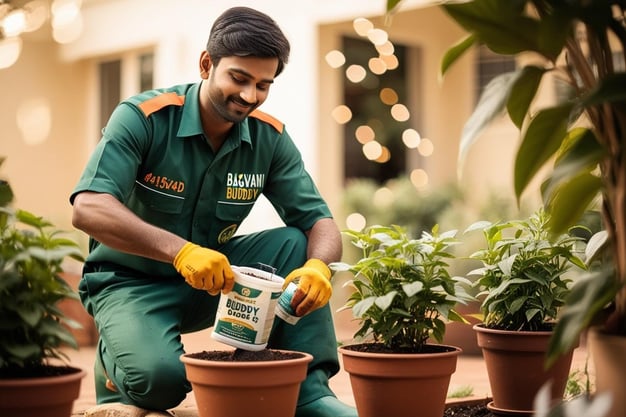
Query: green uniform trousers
[{"x": 140, "y": 320}]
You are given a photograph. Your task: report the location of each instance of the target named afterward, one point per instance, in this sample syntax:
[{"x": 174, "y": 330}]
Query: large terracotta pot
[
  {"x": 246, "y": 389},
  {"x": 400, "y": 385},
  {"x": 609, "y": 358},
  {"x": 36, "y": 397},
  {"x": 515, "y": 366}
]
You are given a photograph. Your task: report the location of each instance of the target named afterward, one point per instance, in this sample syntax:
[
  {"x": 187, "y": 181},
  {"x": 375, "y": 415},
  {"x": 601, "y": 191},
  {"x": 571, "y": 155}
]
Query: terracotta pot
[
  {"x": 396, "y": 385},
  {"x": 609, "y": 360},
  {"x": 36, "y": 397},
  {"x": 515, "y": 367},
  {"x": 245, "y": 389}
]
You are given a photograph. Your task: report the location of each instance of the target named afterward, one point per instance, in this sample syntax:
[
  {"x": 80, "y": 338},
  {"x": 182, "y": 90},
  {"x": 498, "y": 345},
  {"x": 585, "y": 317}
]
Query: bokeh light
[
  {"x": 383, "y": 197},
  {"x": 377, "y": 36},
  {"x": 385, "y": 155},
  {"x": 356, "y": 221},
  {"x": 400, "y": 112},
  {"x": 355, "y": 73},
  {"x": 335, "y": 58},
  {"x": 411, "y": 138},
  {"x": 377, "y": 66},
  {"x": 362, "y": 26},
  {"x": 342, "y": 114},
  {"x": 34, "y": 120},
  {"x": 372, "y": 150},
  {"x": 386, "y": 48},
  {"x": 419, "y": 178},
  {"x": 364, "y": 134},
  {"x": 391, "y": 61},
  {"x": 426, "y": 147},
  {"x": 388, "y": 96}
]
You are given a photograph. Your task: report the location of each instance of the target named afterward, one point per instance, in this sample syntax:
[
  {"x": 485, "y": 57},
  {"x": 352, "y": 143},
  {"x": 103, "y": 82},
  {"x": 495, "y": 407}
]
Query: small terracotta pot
[
  {"x": 245, "y": 389},
  {"x": 400, "y": 384},
  {"x": 515, "y": 365},
  {"x": 36, "y": 397}
]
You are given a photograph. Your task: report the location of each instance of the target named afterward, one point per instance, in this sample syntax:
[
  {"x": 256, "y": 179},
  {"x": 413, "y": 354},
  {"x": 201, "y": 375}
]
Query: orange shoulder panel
[
  {"x": 275, "y": 123},
  {"x": 158, "y": 102}
]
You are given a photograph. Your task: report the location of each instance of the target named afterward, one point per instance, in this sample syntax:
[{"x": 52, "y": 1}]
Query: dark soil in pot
[
  {"x": 468, "y": 410},
  {"x": 242, "y": 355},
  {"x": 40, "y": 371},
  {"x": 375, "y": 347}
]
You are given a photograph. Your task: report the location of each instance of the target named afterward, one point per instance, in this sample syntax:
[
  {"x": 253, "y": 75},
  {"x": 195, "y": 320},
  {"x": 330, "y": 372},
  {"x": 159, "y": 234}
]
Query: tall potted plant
[
  {"x": 33, "y": 328},
  {"x": 403, "y": 295},
  {"x": 523, "y": 283},
  {"x": 583, "y": 135}
]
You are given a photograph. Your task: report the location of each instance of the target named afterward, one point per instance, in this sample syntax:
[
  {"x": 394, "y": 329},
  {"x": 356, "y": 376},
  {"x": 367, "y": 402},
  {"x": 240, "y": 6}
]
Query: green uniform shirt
[{"x": 155, "y": 159}]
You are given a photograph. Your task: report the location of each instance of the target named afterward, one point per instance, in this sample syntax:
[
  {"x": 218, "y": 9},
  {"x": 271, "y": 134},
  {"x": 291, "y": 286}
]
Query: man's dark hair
[{"x": 242, "y": 31}]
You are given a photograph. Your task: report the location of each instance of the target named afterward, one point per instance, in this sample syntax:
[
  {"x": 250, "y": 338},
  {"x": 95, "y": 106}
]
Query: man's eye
[{"x": 238, "y": 80}]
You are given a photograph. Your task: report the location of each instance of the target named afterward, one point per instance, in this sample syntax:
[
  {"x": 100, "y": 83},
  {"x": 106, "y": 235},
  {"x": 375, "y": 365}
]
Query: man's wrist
[{"x": 320, "y": 266}]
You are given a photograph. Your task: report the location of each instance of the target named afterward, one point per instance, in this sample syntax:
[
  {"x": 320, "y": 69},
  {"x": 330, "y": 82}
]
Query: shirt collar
[{"x": 191, "y": 123}]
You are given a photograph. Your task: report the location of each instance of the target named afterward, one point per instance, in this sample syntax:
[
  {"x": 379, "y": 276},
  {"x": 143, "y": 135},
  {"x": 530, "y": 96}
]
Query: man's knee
[
  {"x": 296, "y": 238},
  {"x": 161, "y": 387}
]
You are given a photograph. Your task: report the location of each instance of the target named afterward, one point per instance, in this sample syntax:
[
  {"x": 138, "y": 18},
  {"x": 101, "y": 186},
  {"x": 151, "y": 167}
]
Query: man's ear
[{"x": 205, "y": 65}]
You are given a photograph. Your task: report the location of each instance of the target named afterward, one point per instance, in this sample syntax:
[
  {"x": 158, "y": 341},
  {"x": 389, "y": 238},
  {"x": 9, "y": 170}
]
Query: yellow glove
[
  {"x": 204, "y": 269},
  {"x": 314, "y": 288}
]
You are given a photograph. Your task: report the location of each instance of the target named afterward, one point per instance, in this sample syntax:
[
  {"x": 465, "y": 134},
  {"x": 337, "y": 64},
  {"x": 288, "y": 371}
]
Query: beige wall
[{"x": 42, "y": 175}]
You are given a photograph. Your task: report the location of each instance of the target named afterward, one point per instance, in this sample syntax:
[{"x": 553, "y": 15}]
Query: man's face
[{"x": 238, "y": 85}]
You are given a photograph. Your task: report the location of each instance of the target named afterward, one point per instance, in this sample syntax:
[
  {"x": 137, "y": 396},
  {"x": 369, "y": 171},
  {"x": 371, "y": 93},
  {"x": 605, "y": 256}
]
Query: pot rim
[
  {"x": 480, "y": 327},
  {"x": 306, "y": 357},
  {"x": 77, "y": 373},
  {"x": 453, "y": 350}
]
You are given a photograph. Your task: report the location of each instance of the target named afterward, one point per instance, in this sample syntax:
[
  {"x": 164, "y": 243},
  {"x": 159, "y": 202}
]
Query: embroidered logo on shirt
[
  {"x": 244, "y": 187},
  {"x": 226, "y": 234}
]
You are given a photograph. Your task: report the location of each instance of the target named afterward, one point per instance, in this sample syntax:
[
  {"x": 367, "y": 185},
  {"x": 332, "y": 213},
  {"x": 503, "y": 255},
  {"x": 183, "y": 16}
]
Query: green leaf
[
  {"x": 581, "y": 154},
  {"x": 523, "y": 92},
  {"x": 595, "y": 245},
  {"x": 23, "y": 351},
  {"x": 385, "y": 301},
  {"x": 456, "y": 51},
  {"x": 584, "y": 304},
  {"x": 540, "y": 142},
  {"x": 570, "y": 200},
  {"x": 360, "y": 308},
  {"x": 6, "y": 194},
  {"x": 412, "y": 288},
  {"x": 502, "y": 26},
  {"x": 491, "y": 104},
  {"x": 391, "y": 4},
  {"x": 31, "y": 314}
]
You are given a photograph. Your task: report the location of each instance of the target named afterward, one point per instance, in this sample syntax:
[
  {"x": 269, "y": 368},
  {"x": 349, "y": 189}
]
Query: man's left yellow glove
[{"x": 314, "y": 287}]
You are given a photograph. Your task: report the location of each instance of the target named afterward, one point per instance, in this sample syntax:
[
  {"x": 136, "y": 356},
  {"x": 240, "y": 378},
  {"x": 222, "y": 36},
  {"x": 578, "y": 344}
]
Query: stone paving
[{"x": 470, "y": 373}]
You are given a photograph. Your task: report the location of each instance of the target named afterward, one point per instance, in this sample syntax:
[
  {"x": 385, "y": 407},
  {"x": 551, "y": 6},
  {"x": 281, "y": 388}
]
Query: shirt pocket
[
  {"x": 233, "y": 212},
  {"x": 228, "y": 218},
  {"x": 154, "y": 200}
]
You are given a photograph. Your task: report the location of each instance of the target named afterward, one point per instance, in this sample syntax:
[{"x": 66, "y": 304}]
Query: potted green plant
[
  {"x": 582, "y": 43},
  {"x": 403, "y": 295},
  {"x": 33, "y": 329},
  {"x": 523, "y": 284}
]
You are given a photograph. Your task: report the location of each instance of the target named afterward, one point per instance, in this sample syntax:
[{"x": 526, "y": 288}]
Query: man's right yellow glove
[
  {"x": 204, "y": 269},
  {"x": 314, "y": 287}
]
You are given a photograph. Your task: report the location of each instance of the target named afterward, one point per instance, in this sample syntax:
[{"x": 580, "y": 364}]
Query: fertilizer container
[{"x": 245, "y": 315}]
